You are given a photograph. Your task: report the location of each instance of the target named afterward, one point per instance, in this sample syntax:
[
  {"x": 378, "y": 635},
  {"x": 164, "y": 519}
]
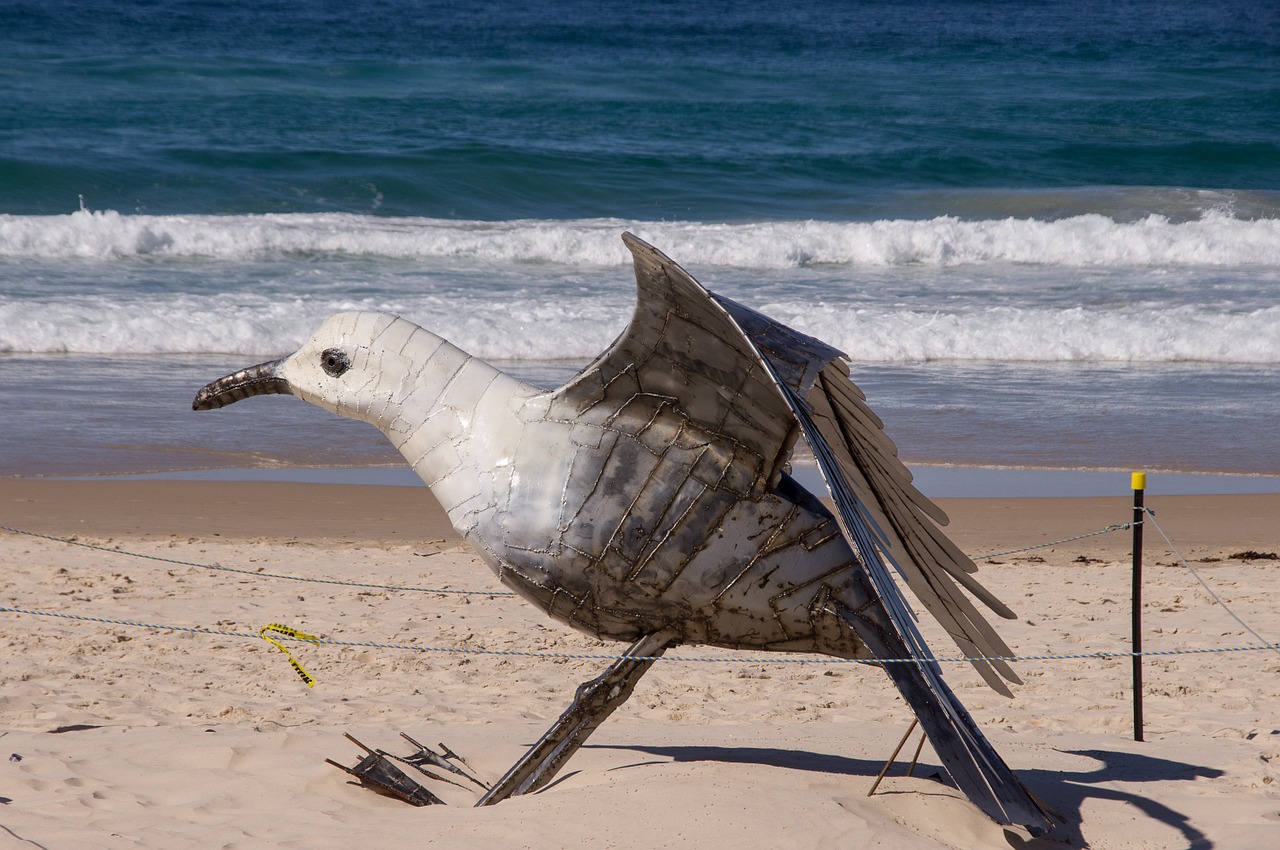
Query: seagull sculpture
[{"x": 648, "y": 500}]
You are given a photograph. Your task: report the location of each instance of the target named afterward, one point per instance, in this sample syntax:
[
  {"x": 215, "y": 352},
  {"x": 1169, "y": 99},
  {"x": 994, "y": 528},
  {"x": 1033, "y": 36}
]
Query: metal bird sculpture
[{"x": 648, "y": 500}]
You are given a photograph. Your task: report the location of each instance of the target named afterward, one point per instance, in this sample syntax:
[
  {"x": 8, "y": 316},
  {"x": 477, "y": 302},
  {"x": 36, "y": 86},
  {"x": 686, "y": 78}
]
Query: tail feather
[
  {"x": 970, "y": 759},
  {"x": 880, "y": 512},
  {"x": 974, "y": 765}
]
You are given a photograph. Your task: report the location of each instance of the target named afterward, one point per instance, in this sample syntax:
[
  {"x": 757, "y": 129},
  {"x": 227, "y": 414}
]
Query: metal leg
[{"x": 592, "y": 704}]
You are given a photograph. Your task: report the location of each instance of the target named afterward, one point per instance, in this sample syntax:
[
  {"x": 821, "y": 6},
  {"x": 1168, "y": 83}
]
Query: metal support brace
[{"x": 911, "y": 769}]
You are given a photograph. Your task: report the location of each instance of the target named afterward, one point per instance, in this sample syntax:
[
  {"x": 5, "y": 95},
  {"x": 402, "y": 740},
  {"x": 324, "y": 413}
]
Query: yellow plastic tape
[{"x": 289, "y": 631}]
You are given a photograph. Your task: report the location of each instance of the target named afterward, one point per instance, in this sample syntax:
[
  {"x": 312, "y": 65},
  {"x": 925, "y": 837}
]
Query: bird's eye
[{"x": 334, "y": 361}]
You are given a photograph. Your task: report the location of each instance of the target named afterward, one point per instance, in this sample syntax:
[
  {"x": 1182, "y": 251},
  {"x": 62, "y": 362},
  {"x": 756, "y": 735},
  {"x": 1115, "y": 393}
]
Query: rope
[
  {"x": 720, "y": 659},
  {"x": 607, "y": 657},
  {"x": 254, "y": 573},
  {"x": 1110, "y": 528},
  {"x": 490, "y": 593},
  {"x": 1206, "y": 587}
]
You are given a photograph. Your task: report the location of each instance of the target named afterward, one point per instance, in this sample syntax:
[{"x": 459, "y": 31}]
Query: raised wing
[
  {"x": 739, "y": 373},
  {"x": 881, "y": 510},
  {"x": 683, "y": 345}
]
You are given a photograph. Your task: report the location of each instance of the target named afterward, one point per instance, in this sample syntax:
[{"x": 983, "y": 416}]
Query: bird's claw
[
  {"x": 425, "y": 755},
  {"x": 378, "y": 772}
]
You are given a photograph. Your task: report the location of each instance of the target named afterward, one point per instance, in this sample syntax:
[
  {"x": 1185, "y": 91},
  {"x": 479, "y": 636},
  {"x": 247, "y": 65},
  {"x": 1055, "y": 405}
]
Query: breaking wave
[
  {"x": 1084, "y": 288},
  {"x": 1215, "y": 239},
  {"x": 531, "y": 329}
]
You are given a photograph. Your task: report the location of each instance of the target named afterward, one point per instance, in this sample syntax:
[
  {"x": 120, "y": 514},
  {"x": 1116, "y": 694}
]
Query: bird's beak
[{"x": 263, "y": 379}]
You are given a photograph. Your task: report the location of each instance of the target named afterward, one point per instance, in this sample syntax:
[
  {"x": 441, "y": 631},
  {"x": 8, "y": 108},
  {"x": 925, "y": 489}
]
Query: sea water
[{"x": 1046, "y": 236}]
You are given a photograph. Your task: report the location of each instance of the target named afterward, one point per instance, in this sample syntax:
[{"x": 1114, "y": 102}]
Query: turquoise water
[
  {"x": 1046, "y": 234},
  {"x": 711, "y": 111}
]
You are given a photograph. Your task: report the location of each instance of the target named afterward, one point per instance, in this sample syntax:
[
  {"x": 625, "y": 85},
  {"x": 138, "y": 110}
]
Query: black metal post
[{"x": 1139, "y": 487}]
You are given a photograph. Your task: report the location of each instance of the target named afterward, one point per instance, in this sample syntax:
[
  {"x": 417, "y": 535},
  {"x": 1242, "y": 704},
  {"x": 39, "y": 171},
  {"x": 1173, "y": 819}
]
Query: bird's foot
[
  {"x": 592, "y": 703},
  {"x": 448, "y": 776}
]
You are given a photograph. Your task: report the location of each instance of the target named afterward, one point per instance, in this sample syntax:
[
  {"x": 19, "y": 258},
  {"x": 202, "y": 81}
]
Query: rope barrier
[
  {"x": 1264, "y": 645},
  {"x": 253, "y": 573},
  {"x": 491, "y": 593},
  {"x": 1124, "y": 526},
  {"x": 719, "y": 659},
  {"x": 1204, "y": 584}
]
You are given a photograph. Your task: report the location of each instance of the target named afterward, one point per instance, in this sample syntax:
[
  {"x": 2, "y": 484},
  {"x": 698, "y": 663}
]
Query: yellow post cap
[{"x": 1139, "y": 480}]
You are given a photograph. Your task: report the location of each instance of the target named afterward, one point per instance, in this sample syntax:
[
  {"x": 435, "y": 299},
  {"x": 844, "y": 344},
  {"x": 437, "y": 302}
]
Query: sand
[{"x": 124, "y": 736}]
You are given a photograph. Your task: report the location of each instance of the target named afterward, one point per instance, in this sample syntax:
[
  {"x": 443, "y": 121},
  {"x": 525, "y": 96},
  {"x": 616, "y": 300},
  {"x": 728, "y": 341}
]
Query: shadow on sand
[{"x": 1065, "y": 791}]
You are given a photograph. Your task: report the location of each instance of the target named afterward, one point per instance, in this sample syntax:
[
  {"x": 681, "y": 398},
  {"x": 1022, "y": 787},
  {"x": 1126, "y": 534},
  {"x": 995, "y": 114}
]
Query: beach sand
[{"x": 123, "y": 736}]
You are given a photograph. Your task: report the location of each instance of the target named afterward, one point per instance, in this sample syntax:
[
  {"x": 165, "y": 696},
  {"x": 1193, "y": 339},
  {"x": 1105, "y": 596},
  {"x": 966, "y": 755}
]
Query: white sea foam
[
  {"x": 523, "y": 330},
  {"x": 579, "y": 328},
  {"x": 1216, "y": 239},
  {"x": 1079, "y": 289},
  {"x": 1044, "y": 335}
]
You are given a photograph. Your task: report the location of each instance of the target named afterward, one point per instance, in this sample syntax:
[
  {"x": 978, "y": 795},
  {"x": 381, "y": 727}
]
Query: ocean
[{"x": 1047, "y": 235}]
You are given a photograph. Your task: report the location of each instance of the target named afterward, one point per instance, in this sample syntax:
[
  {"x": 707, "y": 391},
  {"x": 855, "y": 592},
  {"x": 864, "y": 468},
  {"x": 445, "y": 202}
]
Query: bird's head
[{"x": 338, "y": 368}]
